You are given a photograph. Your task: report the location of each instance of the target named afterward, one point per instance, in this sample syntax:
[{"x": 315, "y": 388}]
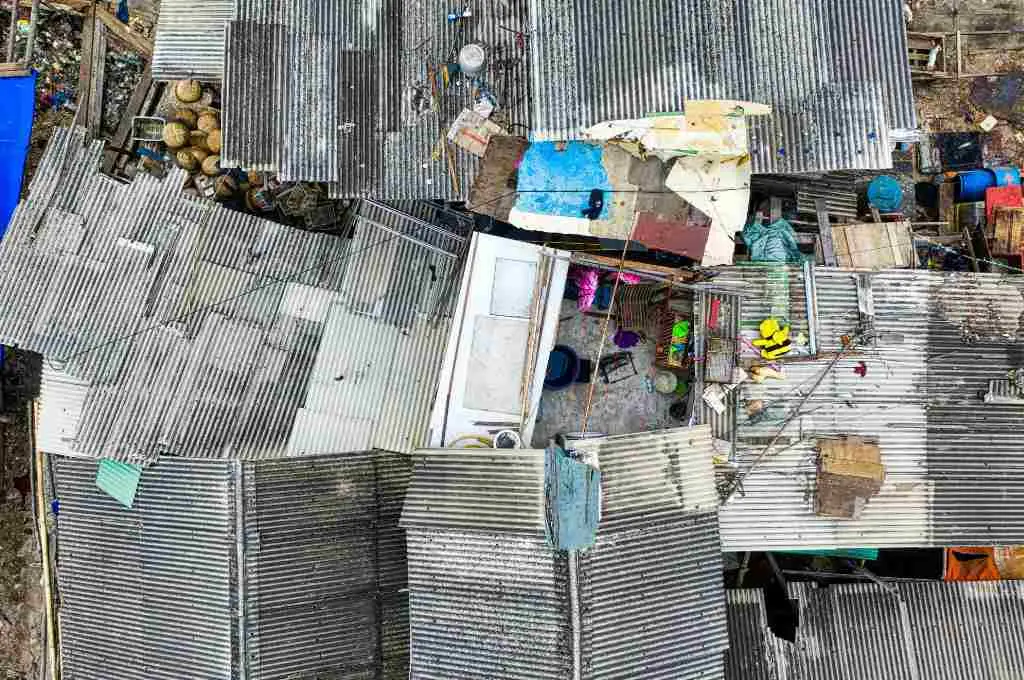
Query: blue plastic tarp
[
  {"x": 17, "y": 95},
  {"x": 558, "y": 179}
]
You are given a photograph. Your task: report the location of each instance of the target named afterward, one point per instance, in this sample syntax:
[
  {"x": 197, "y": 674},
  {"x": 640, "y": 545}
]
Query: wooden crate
[
  {"x": 919, "y": 48},
  {"x": 873, "y": 245},
  {"x": 1009, "y": 232}
]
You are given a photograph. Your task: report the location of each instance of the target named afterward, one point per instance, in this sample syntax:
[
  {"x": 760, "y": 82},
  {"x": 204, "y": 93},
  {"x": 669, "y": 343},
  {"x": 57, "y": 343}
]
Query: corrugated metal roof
[
  {"x": 311, "y": 547},
  {"x": 189, "y": 39},
  {"x": 953, "y": 462},
  {"x": 202, "y": 331},
  {"x": 326, "y": 568},
  {"x": 487, "y": 605},
  {"x": 330, "y": 121},
  {"x": 836, "y": 73},
  {"x": 490, "y": 597},
  {"x": 749, "y": 655},
  {"x": 147, "y": 593},
  {"x": 925, "y": 630},
  {"x": 651, "y": 592},
  {"x": 487, "y": 490}
]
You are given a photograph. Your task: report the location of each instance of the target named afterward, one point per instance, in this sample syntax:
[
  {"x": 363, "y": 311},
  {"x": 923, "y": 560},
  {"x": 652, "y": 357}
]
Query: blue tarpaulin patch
[
  {"x": 18, "y": 97},
  {"x": 560, "y": 182},
  {"x": 572, "y": 501}
]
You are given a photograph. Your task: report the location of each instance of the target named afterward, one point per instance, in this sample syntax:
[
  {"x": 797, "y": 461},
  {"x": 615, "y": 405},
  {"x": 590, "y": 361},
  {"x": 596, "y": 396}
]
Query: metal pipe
[
  {"x": 575, "y": 614},
  {"x": 12, "y": 31},
  {"x": 238, "y": 472},
  {"x": 810, "y": 300},
  {"x": 31, "y": 41}
]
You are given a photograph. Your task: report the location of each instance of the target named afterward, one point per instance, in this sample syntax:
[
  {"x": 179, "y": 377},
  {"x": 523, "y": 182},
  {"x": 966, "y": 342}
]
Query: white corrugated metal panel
[
  {"x": 60, "y": 403},
  {"x": 147, "y": 593},
  {"x": 953, "y": 462},
  {"x": 925, "y": 629},
  {"x": 835, "y": 72},
  {"x": 325, "y": 568},
  {"x": 204, "y": 331},
  {"x": 190, "y": 39},
  {"x": 328, "y": 121},
  {"x": 648, "y": 474}
]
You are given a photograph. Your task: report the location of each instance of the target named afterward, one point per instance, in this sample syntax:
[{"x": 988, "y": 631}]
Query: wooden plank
[
  {"x": 94, "y": 114},
  {"x": 144, "y": 46},
  {"x": 947, "y": 209},
  {"x": 124, "y": 128},
  {"x": 873, "y": 245},
  {"x": 13, "y": 70},
  {"x": 85, "y": 69},
  {"x": 12, "y": 32},
  {"x": 825, "y": 229},
  {"x": 840, "y": 246},
  {"x": 776, "y": 209},
  {"x": 1009, "y": 231}
]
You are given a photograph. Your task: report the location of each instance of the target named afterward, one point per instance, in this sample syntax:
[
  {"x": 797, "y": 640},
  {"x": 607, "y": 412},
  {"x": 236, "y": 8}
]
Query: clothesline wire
[{"x": 333, "y": 261}]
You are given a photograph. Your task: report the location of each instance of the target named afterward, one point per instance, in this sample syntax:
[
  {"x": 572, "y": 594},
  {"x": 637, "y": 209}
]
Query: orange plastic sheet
[{"x": 1001, "y": 563}]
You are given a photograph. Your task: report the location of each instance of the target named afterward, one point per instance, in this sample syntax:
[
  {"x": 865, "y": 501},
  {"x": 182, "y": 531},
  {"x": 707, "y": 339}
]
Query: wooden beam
[
  {"x": 94, "y": 115},
  {"x": 970, "y": 249},
  {"x": 144, "y": 46},
  {"x": 12, "y": 31},
  {"x": 825, "y": 230},
  {"x": 124, "y": 129}
]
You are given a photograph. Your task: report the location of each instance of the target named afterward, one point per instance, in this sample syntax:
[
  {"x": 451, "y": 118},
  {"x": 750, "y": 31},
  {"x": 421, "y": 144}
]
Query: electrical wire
[{"x": 298, "y": 274}]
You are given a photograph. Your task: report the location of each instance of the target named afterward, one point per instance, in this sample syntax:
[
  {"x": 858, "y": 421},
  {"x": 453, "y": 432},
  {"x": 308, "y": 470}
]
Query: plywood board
[
  {"x": 882, "y": 245},
  {"x": 496, "y": 363},
  {"x": 947, "y": 209},
  {"x": 850, "y": 472},
  {"x": 1009, "y": 231}
]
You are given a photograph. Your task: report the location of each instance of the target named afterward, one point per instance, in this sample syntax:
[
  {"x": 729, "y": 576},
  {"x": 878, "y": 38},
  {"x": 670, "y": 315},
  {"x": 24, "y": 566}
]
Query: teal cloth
[
  {"x": 572, "y": 503},
  {"x": 774, "y": 243}
]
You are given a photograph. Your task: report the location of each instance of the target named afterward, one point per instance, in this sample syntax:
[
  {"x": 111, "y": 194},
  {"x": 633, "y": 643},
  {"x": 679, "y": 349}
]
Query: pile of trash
[{"x": 123, "y": 71}]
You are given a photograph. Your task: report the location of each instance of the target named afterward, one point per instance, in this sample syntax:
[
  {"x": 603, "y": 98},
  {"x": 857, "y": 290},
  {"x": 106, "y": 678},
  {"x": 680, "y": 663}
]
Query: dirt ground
[
  {"x": 21, "y": 593},
  {"x": 960, "y": 105}
]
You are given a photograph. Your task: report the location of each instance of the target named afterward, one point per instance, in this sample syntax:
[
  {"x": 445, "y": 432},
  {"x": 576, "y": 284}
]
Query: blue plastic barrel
[
  {"x": 1006, "y": 176},
  {"x": 885, "y": 193},
  {"x": 971, "y": 185}
]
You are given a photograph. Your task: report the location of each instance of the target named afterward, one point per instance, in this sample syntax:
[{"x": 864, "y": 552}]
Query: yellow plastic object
[
  {"x": 774, "y": 341},
  {"x": 769, "y": 327}
]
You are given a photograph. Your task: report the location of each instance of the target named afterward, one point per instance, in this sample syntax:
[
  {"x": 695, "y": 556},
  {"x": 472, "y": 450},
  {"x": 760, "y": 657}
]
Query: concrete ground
[{"x": 619, "y": 408}]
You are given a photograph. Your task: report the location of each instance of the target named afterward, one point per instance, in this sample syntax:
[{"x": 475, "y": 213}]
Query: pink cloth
[
  {"x": 625, "y": 277},
  {"x": 586, "y": 281}
]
